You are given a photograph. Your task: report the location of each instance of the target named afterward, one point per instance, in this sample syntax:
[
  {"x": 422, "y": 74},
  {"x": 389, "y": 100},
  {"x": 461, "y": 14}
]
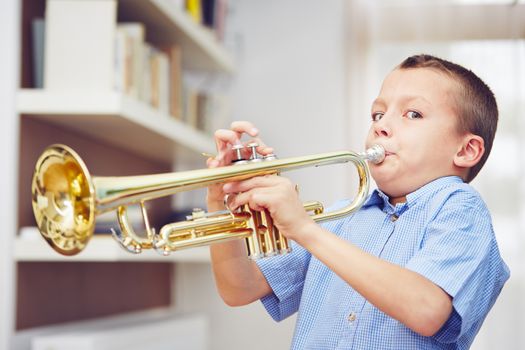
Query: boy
[{"x": 417, "y": 267}]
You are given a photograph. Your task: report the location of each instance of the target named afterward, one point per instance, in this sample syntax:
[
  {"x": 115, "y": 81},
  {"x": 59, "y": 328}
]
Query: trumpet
[{"x": 66, "y": 200}]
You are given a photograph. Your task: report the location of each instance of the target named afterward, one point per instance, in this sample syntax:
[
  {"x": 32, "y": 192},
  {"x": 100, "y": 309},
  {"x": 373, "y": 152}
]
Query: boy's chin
[
  {"x": 395, "y": 187},
  {"x": 382, "y": 176}
]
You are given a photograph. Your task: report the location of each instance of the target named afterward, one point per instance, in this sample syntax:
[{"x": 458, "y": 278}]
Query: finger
[
  {"x": 224, "y": 137},
  {"x": 255, "y": 199},
  {"x": 258, "y": 141},
  {"x": 264, "y": 150},
  {"x": 244, "y": 127},
  {"x": 247, "y": 185},
  {"x": 212, "y": 162}
]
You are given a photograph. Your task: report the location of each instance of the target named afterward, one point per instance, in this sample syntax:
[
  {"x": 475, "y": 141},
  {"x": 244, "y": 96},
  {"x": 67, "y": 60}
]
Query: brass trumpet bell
[
  {"x": 63, "y": 199},
  {"x": 66, "y": 200}
]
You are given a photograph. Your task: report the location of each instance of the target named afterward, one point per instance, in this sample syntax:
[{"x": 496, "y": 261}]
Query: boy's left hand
[{"x": 277, "y": 195}]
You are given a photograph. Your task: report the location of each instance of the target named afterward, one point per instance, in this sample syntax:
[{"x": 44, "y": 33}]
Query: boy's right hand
[{"x": 224, "y": 140}]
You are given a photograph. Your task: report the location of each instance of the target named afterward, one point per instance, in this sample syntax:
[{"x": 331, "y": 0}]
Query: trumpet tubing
[{"x": 66, "y": 200}]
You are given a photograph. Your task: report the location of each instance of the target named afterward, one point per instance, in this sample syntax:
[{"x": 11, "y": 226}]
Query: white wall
[{"x": 291, "y": 81}]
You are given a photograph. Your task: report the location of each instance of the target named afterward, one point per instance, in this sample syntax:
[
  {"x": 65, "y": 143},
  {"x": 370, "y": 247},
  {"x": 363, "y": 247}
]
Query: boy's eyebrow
[
  {"x": 408, "y": 98},
  {"x": 378, "y": 101},
  {"x": 416, "y": 97}
]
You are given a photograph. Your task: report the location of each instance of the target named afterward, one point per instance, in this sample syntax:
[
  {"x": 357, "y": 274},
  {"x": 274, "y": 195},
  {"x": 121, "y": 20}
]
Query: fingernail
[
  {"x": 254, "y": 131},
  {"x": 214, "y": 163},
  {"x": 226, "y": 187}
]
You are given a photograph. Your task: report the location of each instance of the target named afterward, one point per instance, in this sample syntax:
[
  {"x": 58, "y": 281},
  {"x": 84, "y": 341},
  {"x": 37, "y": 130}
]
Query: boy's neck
[{"x": 397, "y": 200}]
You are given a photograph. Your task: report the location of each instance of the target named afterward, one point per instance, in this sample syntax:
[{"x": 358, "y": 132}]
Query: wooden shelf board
[
  {"x": 117, "y": 120},
  {"x": 101, "y": 248}
]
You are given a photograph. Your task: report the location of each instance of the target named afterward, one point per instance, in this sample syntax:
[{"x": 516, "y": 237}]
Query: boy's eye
[
  {"x": 377, "y": 116},
  {"x": 413, "y": 115}
]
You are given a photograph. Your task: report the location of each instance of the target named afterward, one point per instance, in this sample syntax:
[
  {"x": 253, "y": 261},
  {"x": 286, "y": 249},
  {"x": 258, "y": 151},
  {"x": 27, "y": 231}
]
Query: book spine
[
  {"x": 175, "y": 80},
  {"x": 194, "y": 8},
  {"x": 38, "y": 35}
]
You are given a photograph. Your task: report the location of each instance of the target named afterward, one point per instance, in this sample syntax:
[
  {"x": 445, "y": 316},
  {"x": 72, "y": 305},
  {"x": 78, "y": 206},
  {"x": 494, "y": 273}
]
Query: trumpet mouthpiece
[{"x": 375, "y": 154}]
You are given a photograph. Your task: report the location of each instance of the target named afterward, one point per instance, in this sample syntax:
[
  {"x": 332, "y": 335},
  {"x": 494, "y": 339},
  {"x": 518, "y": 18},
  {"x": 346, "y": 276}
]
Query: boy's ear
[{"x": 471, "y": 151}]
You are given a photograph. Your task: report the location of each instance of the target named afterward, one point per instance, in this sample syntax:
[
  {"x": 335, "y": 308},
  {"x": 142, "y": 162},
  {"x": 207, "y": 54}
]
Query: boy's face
[{"x": 414, "y": 120}]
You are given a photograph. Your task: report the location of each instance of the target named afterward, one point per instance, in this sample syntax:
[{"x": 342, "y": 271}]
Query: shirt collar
[{"x": 379, "y": 198}]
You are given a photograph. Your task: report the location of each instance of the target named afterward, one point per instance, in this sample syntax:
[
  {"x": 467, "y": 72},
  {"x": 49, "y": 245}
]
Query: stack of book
[
  {"x": 155, "y": 76},
  {"x": 209, "y": 13},
  {"x": 144, "y": 72}
]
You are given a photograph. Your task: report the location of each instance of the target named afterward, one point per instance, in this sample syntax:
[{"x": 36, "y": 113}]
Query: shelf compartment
[
  {"x": 166, "y": 24},
  {"x": 117, "y": 120},
  {"x": 31, "y": 247}
]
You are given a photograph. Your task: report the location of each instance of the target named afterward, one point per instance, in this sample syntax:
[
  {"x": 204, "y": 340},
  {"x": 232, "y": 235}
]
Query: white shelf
[
  {"x": 167, "y": 24},
  {"x": 101, "y": 248},
  {"x": 115, "y": 119},
  {"x": 149, "y": 329}
]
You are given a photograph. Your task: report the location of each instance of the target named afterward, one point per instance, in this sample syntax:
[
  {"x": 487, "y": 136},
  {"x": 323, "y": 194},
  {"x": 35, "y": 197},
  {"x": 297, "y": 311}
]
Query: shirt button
[
  {"x": 394, "y": 218},
  {"x": 352, "y": 317}
]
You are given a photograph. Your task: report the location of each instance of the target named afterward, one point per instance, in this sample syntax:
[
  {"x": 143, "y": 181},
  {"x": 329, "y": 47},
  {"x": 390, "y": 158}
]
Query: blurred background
[{"x": 138, "y": 87}]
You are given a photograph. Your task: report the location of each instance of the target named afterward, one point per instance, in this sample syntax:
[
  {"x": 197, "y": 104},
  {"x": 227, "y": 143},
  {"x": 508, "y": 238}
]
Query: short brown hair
[{"x": 476, "y": 105}]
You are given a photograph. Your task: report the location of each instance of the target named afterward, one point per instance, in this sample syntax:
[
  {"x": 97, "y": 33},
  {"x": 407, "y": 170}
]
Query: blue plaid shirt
[{"x": 443, "y": 232}]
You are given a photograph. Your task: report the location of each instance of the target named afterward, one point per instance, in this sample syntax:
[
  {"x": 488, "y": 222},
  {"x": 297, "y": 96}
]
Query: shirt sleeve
[
  {"x": 285, "y": 275},
  {"x": 459, "y": 253}
]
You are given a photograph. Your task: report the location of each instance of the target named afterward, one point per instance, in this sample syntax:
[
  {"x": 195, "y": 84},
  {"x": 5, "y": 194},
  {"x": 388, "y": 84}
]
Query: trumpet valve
[
  {"x": 254, "y": 156},
  {"x": 239, "y": 159}
]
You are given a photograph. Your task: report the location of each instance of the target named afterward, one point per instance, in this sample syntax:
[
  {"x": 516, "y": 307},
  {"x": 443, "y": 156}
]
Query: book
[
  {"x": 221, "y": 11},
  {"x": 194, "y": 8},
  {"x": 129, "y": 52},
  {"x": 145, "y": 92},
  {"x": 38, "y": 36},
  {"x": 160, "y": 83},
  {"x": 202, "y": 111},
  {"x": 175, "y": 80},
  {"x": 191, "y": 105},
  {"x": 122, "y": 62},
  {"x": 208, "y": 13},
  {"x": 164, "y": 83},
  {"x": 79, "y": 45}
]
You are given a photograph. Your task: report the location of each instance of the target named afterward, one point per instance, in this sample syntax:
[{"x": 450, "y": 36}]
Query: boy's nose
[{"x": 381, "y": 128}]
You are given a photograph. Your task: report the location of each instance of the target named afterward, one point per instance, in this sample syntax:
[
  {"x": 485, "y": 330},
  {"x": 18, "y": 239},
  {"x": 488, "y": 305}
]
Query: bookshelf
[
  {"x": 116, "y": 134},
  {"x": 101, "y": 248},
  {"x": 125, "y": 119}
]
